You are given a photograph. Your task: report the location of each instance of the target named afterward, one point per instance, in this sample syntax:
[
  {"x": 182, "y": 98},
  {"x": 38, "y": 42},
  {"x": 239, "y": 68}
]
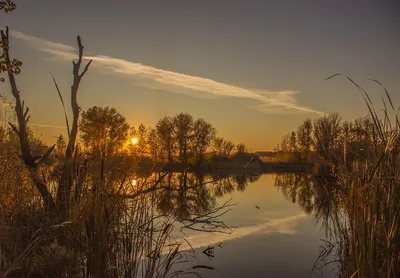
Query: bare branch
[
  {"x": 14, "y": 128},
  {"x": 86, "y": 68},
  {"x": 64, "y": 189}
]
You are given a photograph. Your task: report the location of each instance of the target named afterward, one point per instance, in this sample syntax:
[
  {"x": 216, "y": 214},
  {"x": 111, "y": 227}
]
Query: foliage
[
  {"x": 103, "y": 130},
  {"x": 183, "y": 124},
  {"x": 368, "y": 175},
  {"x": 241, "y": 148},
  {"x": 7, "y": 65},
  {"x": 223, "y": 147},
  {"x": 7, "y": 5},
  {"x": 203, "y": 135},
  {"x": 304, "y": 136},
  {"x": 165, "y": 132},
  {"x": 66, "y": 214},
  {"x": 327, "y": 131}
]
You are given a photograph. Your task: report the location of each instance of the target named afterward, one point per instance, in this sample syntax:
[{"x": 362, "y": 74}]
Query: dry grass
[{"x": 370, "y": 237}]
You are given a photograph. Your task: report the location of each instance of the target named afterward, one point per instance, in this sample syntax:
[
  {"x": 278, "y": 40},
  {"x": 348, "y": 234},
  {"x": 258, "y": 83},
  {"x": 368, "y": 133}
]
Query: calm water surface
[{"x": 277, "y": 233}]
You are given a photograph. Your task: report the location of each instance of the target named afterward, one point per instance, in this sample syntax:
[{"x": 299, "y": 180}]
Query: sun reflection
[{"x": 133, "y": 182}]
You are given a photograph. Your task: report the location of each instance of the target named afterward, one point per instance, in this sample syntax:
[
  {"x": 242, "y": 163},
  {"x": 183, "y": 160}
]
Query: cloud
[
  {"x": 173, "y": 81},
  {"x": 285, "y": 225},
  {"x": 48, "y": 126}
]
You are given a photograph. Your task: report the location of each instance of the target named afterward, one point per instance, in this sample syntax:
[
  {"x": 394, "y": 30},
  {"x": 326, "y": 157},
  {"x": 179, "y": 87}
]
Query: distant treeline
[
  {"x": 328, "y": 138},
  {"x": 105, "y": 132}
]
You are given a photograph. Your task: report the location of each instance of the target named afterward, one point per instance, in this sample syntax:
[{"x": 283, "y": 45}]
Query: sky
[{"x": 254, "y": 69}]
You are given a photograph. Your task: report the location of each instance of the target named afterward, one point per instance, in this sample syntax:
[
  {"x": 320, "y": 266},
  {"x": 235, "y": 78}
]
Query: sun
[{"x": 134, "y": 140}]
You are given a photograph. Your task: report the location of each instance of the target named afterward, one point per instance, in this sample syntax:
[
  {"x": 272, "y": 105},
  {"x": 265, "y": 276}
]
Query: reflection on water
[
  {"x": 286, "y": 225},
  {"x": 278, "y": 222},
  {"x": 315, "y": 196},
  {"x": 195, "y": 193}
]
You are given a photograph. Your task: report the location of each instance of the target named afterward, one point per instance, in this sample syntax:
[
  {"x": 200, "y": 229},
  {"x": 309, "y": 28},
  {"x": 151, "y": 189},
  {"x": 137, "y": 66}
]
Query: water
[{"x": 279, "y": 226}]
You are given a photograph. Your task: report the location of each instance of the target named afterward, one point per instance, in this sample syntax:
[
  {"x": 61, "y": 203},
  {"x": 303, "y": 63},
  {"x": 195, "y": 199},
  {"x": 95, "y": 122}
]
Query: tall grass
[
  {"x": 115, "y": 230},
  {"x": 371, "y": 184}
]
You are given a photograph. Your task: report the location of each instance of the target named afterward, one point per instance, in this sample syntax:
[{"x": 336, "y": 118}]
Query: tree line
[
  {"x": 65, "y": 214},
  {"x": 329, "y": 137},
  {"x": 105, "y": 132}
]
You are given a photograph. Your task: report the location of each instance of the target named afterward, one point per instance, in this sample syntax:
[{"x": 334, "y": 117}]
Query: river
[{"x": 277, "y": 226}]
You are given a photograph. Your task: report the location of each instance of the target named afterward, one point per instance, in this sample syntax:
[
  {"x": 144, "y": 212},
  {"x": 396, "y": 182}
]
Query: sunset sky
[{"x": 254, "y": 69}]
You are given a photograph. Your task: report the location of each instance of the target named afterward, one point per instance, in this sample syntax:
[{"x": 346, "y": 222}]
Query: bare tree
[
  {"x": 327, "y": 131},
  {"x": 64, "y": 188},
  {"x": 32, "y": 162},
  {"x": 304, "y": 136}
]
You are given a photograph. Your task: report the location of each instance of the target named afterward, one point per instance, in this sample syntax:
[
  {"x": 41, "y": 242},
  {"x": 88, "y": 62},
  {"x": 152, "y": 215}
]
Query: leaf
[{"x": 62, "y": 102}]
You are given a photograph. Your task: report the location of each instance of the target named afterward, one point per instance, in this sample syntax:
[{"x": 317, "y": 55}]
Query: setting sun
[{"x": 134, "y": 140}]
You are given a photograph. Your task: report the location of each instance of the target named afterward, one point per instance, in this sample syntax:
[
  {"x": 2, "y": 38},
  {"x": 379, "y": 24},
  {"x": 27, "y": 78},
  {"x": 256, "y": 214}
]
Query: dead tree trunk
[
  {"x": 67, "y": 179},
  {"x": 32, "y": 162}
]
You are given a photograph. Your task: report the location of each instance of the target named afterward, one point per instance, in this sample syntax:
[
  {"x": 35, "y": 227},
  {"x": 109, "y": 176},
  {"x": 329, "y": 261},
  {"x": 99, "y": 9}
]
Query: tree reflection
[
  {"x": 189, "y": 194},
  {"x": 317, "y": 197}
]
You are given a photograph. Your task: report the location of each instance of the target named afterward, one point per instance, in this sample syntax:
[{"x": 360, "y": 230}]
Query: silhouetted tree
[
  {"x": 61, "y": 144},
  {"x": 154, "y": 145},
  {"x": 183, "y": 124},
  {"x": 327, "y": 131},
  {"x": 103, "y": 130},
  {"x": 304, "y": 136},
  {"x": 203, "y": 135},
  {"x": 223, "y": 147},
  {"x": 241, "y": 148},
  {"x": 293, "y": 142},
  {"x": 285, "y": 143},
  {"x": 218, "y": 145},
  {"x": 165, "y": 132},
  {"x": 228, "y": 148},
  {"x": 33, "y": 162},
  {"x": 141, "y": 147}
]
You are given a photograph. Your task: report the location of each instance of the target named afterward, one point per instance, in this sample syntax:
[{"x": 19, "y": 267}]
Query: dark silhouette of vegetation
[
  {"x": 330, "y": 139},
  {"x": 165, "y": 131},
  {"x": 103, "y": 130},
  {"x": 179, "y": 139},
  {"x": 363, "y": 208},
  {"x": 64, "y": 212},
  {"x": 203, "y": 135},
  {"x": 84, "y": 207}
]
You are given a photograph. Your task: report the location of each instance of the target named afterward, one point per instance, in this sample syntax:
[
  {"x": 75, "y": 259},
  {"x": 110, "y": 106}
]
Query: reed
[{"x": 370, "y": 236}]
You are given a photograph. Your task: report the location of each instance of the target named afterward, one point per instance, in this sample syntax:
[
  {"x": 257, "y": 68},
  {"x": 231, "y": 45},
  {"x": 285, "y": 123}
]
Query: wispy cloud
[
  {"x": 173, "y": 81},
  {"x": 286, "y": 225},
  {"x": 48, "y": 126}
]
